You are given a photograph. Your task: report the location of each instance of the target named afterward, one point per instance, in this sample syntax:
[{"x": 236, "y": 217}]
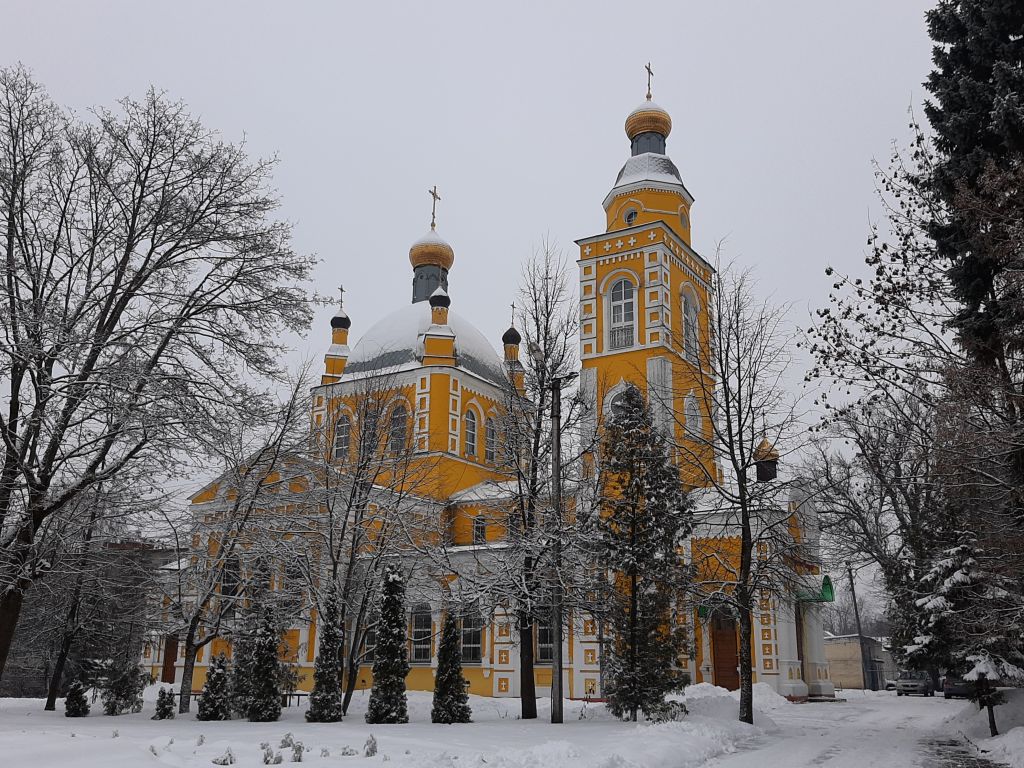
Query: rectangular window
[
  {"x": 421, "y": 636},
  {"x": 369, "y": 644},
  {"x": 545, "y": 644},
  {"x": 472, "y": 638}
]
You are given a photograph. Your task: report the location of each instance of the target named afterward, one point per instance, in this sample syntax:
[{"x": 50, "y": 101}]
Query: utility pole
[
  {"x": 556, "y": 504},
  {"x": 860, "y": 635}
]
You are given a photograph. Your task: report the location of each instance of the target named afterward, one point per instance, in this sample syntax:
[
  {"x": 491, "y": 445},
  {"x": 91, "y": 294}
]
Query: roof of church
[{"x": 395, "y": 343}]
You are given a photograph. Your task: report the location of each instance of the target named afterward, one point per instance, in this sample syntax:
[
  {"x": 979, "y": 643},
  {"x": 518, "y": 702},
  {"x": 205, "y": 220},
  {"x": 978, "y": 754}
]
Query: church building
[{"x": 439, "y": 385}]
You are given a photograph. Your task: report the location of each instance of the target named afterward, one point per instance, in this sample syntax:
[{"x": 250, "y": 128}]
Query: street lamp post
[
  {"x": 556, "y": 504},
  {"x": 860, "y": 634}
]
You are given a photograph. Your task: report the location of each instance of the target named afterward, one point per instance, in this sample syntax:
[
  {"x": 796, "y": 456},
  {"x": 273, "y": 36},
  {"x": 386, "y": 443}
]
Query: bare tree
[
  {"x": 734, "y": 423},
  {"x": 234, "y": 520},
  {"x": 142, "y": 278},
  {"x": 367, "y": 501}
]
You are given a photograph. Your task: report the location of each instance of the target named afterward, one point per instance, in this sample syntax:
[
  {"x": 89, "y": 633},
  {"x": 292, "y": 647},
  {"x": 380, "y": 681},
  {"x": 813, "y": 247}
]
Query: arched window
[
  {"x": 490, "y": 440},
  {"x": 621, "y": 315},
  {"x": 690, "y": 319},
  {"x": 691, "y": 411},
  {"x": 471, "y": 429},
  {"x": 342, "y": 436},
  {"x": 480, "y": 529},
  {"x": 421, "y": 631},
  {"x": 397, "y": 430},
  {"x": 472, "y": 635}
]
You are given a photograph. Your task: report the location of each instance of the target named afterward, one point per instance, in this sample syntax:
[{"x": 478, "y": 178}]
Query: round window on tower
[{"x": 630, "y": 216}]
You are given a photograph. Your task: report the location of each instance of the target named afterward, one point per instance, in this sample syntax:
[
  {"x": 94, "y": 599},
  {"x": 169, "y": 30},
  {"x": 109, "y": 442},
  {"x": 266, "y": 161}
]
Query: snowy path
[{"x": 867, "y": 730}]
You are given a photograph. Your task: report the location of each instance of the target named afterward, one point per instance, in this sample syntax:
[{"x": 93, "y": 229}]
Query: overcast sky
[{"x": 516, "y": 113}]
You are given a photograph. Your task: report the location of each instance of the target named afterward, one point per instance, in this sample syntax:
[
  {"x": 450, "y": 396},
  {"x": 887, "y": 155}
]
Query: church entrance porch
[{"x": 725, "y": 651}]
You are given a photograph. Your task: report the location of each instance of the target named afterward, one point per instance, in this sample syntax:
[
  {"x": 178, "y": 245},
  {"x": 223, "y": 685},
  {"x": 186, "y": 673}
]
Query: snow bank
[
  {"x": 589, "y": 738},
  {"x": 1009, "y": 745}
]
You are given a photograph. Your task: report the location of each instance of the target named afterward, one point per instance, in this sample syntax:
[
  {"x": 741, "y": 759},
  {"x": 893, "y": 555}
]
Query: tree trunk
[
  {"x": 527, "y": 683},
  {"x": 10, "y": 610},
  {"x": 634, "y": 614},
  {"x": 746, "y": 670},
  {"x": 187, "y": 671},
  {"x": 992, "y": 720},
  {"x": 56, "y": 678}
]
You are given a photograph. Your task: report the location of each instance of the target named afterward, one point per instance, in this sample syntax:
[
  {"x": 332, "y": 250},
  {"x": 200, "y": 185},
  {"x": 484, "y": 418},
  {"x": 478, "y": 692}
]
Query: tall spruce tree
[
  {"x": 977, "y": 114},
  {"x": 257, "y": 673},
  {"x": 451, "y": 700},
  {"x": 971, "y": 622},
  {"x": 644, "y": 513},
  {"x": 325, "y": 700},
  {"x": 390, "y": 661},
  {"x": 215, "y": 700}
]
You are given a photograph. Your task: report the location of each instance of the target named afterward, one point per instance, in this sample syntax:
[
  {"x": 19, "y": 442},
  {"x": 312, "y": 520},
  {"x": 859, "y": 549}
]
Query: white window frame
[
  {"x": 625, "y": 304},
  {"x": 342, "y": 454},
  {"x": 393, "y": 449},
  {"x": 420, "y": 635},
  {"x": 690, "y": 312},
  {"x": 471, "y": 628},
  {"x": 470, "y": 439}
]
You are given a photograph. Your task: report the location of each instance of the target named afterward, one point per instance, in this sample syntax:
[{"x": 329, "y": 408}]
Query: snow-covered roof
[
  {"x": 489, "y": 490},
  {"x": 396, "y": 343},
  {"x": 645, "y": 169}
]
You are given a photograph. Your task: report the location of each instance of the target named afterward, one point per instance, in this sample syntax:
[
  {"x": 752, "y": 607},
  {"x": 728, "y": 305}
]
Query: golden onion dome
[
  {"x": 431, "y": 250},
  {"x": 648, "y": 118},
  {"x": 766, "y": 451}
]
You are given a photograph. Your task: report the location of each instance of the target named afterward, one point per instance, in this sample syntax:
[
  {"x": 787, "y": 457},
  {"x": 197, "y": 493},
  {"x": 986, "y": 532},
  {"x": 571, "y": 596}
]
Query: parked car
[
  {"x": 890, "y": 685},
  {"x": 914, "y": 683},
  {"x": 955, "y": 687}
]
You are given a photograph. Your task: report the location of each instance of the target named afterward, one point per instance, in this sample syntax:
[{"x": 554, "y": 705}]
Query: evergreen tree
[
  {"x": 257, "y": 672},
  {"x": 325, "y": 700},
  {"x": 972, "y": 621},
  {"x": 978, "y": 118},
  {"x": 390, "y": 663},
  {"x": 76, "y": 704},
  {"x": 164, "y": 704},
  {"x": 644, "y": 513},
  {"x": 451, "y": 701},
  {"x": 123, "y": 691},
  {"x": 264, "y": 687},
  {"x": 215, "y": 700}
]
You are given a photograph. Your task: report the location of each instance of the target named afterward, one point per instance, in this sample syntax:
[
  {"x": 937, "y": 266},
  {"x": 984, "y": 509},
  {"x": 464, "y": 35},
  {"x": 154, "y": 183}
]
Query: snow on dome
[
  {"x": 432, "y": 249},
  {"x": 648, "y": 117},
  {"x": 395, "y": 343}
]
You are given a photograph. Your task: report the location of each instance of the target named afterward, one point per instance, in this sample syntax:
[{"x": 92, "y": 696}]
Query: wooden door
[
  {"x": 724, "y": 651},
  {"x": 170, "y": 658}
]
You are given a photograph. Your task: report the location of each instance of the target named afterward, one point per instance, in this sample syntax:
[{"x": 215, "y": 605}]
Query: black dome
[
  {"x": 341, "y": 320},
  {"x": 511, "y": 336},
  {"x": 440, "y": 299}
]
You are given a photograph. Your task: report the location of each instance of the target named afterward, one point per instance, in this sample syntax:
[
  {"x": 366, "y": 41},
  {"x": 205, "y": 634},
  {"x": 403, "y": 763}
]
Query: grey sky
[{"x": 516, "y": 113}]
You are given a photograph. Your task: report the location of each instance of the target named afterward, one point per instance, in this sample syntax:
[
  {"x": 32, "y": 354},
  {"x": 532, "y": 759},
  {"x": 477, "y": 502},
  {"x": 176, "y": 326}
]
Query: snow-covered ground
[
  {"x": 1008, "y": 747},
  {"x": 36, "y": 739},
  {"x": 869, "y": 729}
]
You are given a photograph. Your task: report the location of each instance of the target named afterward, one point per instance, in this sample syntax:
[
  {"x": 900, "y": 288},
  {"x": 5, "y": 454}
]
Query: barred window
[
  {"x": 480, "y": 529},
  {"x": 621, "y": 315},
  {"x": 421, "y": 631},
  {"x": 369, "y": 644}
]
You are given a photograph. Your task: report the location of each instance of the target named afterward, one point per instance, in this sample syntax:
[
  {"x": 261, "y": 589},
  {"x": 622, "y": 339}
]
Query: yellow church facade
[{"x": 438, "y": 392}]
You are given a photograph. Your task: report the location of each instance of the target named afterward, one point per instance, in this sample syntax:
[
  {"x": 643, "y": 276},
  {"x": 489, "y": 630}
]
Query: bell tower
[{"x": 644, "y": 291}]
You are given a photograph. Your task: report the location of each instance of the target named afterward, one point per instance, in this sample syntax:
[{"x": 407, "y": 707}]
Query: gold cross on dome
[
  {"x": 513, "y": 313},
  {"x": 341, "y": 295},
  {"x": 650, "y": 74},
  {"x": 433, "y": 206}
]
